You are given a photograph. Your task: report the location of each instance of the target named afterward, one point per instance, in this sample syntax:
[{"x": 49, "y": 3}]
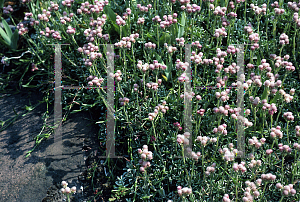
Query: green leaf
[
  {"x": 158, "y": 58},
  {"x": 4, "y": 42},
  {"x": 277, "y": 96},
  {"x": 151, "y": 38},
  {"x": 117, "y": 28},
  {"x": 5, "y": 37},
  {"x": 182, "y": 25},
  {"x": 29, "y": 108},
  {"x": 265, "y": 93},
  {"x": 1, "y": 3},
  {"x": 110, "y": 13},
  {"x": 164, "y": 37},
  {"x": 7, "y": 28},
  {"x": 14, "y": 40}
]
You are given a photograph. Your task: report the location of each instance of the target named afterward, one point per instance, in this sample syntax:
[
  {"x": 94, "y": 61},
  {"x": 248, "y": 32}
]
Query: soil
[{"x": 38, "y": 177}]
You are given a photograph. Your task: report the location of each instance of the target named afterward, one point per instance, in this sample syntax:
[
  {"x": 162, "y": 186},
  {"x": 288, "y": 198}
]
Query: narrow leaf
[
  {"x": 182, "y": 25},
  {"x": 7, "y": 28},
  {"x": 110, "y": 13},
  {"x": 14, "y": 40},
  {"x": 4, "y": 35}
]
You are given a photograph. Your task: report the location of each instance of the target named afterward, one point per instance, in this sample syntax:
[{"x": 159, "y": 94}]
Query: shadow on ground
[{"x": 38, "y": 177}]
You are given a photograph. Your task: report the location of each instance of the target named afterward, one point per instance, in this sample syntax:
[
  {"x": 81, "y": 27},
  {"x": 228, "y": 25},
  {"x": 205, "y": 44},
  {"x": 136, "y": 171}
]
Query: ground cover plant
[{"x": 152, "y": 70}]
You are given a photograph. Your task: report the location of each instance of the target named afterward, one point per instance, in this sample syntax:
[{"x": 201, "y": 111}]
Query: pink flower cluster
[
  {"x": 45, "y": 16},
  {"x": 120, "y": 21},
  {"x": 71, "y": 30},
  {"x": 54, "y": 34},
  {"x": 210, "y": 169},
  {"x": 183, "y": 139},
  {"x": 251, "y": 187},
  {"x": 270, "y": 107},
  {"x": 93, "y": 80},
  {"x": 34, "y": 67},
  {"x": 287, "y": 190},
  {"x": 233, "y": 68},
  {"x": 8, "y": 9},
  {"x": 88, "y": 8},
  {"x": 256, "y": 79},
  {"x": 284, "y": 39},
  {"x": 161, "y": 107},
  {"x": 284, "y": 148},
  {"x": 226, "y": 198},
  {"x": 254, "y": 163},
  {"x": 177, "y": 125},
  {"x": 268, "y": 176},
  {"x": 255, "y": 101},
  {"x": 232, "y": 15},
  {"x": 168, "y": 20},
  {"x": 221, "y": 129},
  {"x": 203, "y": 140},
  {"x": 124, "y": 100},
  {"x": 227, "y": 154},
  {"x": 184, "y": 191},
  {"x": 171, "y": 49},
  {"x": 222, "y": 110},
  {"x": 197, "y": 44},
  {"x": 67, "y": 3},
  {"x": 296, "y": 146},
  {"x": 181, "y": 65},
  {"x": 254, "y": 37},
  {"x": 248, "y": 29},
  {"x": 296, "y": 19},
  {"x": 275, "y": 4},
  {"x": 278, "y": 11},
  {"x": 145, "y": 154},
  {"x": 258, "y": 10},
  {"x": 225, "y": 22},
  {"x": 223, "y": 95},
  {"x": 280, "y": 62},
  {"x": 232, "y": 50},
  {"x": 181, "y": 41},
  {"x": 275, "y": 132},
  {"x": 257, "y": 143},
  {"x": 220, "y": 11},
  {"x": 153, "y": 85},
  {"x": 294, "y": 6},
  {"x": 191, "y": 8},
  {"x": 244, "y": 120},
  {"x": 269, "y": 151},
  {"x": 264, "y": 66},
  {"x": 117, "y": 75},
  {"x": 66, "y": 190},
  {"x": 239, "y": 167},
  {"x": 141, "y": 21},
  {"x": 66, "y": 19},
  {"x": 288, "y": 116},
  {"x": 197, "y": 58},
  {"x": 201, "y": 112},
  {"x": 287, "y": 97},
  {"x": 183, "y": 78},
  {"x": 53, "y": 6},
  {"x": 221, "y": 82},
  {"x": 150, "y": 45},
  {"x": 126, "y": 41},
  {"x": 144, "y": 8},
  {"x": 220, "y": 32},
  {"x": 22, "y": 29},
  {"x": 96, "y": 31},
  {"x": 87, "y": 49}
]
